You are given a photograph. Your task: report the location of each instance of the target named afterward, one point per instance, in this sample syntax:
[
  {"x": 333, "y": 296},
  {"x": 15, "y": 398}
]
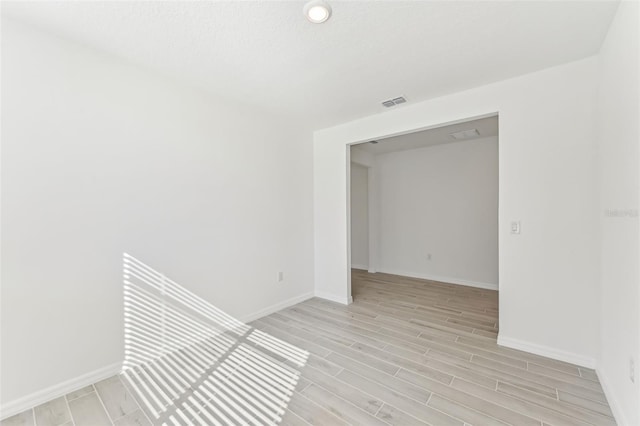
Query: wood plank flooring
[{"x": 406, "y": 352}]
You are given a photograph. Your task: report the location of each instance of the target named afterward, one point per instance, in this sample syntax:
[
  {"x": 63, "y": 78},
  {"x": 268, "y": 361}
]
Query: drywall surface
[
  {"x": 362, "y": 157},
  {"x": 547, "y": 179},
  {"x": 99, "y": 158},
  {"x": 618, "y": 152},
  {"x": 439, "y": 212},
  {"x": 359, "y": 217}
]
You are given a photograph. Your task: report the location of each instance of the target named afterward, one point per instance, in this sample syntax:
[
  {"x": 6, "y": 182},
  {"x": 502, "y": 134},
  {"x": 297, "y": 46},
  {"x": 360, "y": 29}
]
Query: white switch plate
[
  {"x": 515, "y": 227},
  {"x": 280, "y": 277}
]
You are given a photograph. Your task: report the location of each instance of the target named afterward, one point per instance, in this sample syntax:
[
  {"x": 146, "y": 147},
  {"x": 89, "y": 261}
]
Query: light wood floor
[{"x": 406, "y": 352}]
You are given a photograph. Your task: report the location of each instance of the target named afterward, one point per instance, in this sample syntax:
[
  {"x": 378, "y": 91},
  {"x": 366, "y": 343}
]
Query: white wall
[
  {"x": 547, "y": 175},
  {"x": 440, "y": 200},
  {"x": 359, "y": 217},
  {"x": 619, "y": 137},
  {"x": 100, "y": 157}
]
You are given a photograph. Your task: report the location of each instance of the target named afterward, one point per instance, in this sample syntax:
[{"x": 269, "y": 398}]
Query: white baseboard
[
  {"x": 618, "y": 414},
  {"x": 32, "y": 400},
  {"x": 361, "y": 267},
  {"x": 335, "y": 298},
  {"x": 546, "y": 351},
  {"x": 26, "y": 402},
  {"x": 277, "y": 307},
  {"x": 448, "y": 280}
]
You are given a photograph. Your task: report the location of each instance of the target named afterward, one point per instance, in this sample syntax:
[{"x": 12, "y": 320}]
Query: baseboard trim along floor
[
  {"x": 611, "y": 399},
  {"x": 407, "y": 351},
  {"x": 277, "y": 307},
  {"x": 334, "y": 298},
  {"x": 546, "y": 351},
  {"x": 447, "y": 280},
  {"x": 52, "y": 392}
]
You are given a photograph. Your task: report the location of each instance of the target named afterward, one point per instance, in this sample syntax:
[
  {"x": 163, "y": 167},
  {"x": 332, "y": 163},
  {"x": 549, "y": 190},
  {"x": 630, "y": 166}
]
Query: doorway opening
[{"x": 424, "y": 206}]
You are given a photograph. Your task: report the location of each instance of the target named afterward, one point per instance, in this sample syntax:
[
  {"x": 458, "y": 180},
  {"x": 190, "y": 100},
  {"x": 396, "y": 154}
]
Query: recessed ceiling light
[{"x": 317, "y": 11}]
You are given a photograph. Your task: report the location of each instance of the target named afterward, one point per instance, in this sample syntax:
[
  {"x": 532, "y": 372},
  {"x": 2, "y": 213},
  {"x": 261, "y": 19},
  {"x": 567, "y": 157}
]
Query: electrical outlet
[
  {"x": 632, "y": 370},
  {"x": 280, "y": 277}
]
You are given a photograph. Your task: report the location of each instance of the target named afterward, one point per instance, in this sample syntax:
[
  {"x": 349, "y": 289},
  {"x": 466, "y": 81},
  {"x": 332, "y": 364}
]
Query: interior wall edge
[
  {"x": 616, "y": 409},
  {"x": 334, "y": 298}
]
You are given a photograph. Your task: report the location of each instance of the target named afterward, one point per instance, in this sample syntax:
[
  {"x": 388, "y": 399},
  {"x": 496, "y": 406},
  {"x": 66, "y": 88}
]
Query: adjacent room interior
[
  {"x": 320, "y": 213},
  {"x": 424, "y": 205}
]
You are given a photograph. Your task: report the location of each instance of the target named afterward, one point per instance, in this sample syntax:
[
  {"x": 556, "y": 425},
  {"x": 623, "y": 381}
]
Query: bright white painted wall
[
  {"x": 441, "y": 200},
  {"x": 100, "y": 157},
  {"x": 618, "y": 152},
  {"x": 547, "y": 175},
  {"x": 359, "y": 217}
]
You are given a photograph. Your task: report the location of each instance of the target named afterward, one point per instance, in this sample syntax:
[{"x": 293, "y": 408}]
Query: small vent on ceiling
[
  {"x": 393, "y": 102},
  {"x": 465, "y": 134}
]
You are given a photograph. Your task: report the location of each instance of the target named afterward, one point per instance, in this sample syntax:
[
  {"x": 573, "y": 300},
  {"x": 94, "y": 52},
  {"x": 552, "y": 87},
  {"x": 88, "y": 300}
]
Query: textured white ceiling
[
  {"x": 486, "y": 127},
  {"x": 267, "y": 54}
]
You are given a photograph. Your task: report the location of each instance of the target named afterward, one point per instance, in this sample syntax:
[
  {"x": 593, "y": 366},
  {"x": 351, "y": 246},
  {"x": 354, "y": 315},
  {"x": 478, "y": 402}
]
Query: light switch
[{"x": 515, "y": 227}]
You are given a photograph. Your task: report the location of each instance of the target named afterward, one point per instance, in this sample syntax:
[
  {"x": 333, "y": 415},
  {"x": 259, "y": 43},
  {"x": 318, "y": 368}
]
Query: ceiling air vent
[
  {"x": 393, "y": 102},
  {"x": 465, "y": 134}
]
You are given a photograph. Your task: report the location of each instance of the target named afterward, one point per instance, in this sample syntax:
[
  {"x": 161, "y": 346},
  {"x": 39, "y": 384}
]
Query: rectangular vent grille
[
  {"x": 393, "y": 102},
  {"x": 465, "y": 134}
]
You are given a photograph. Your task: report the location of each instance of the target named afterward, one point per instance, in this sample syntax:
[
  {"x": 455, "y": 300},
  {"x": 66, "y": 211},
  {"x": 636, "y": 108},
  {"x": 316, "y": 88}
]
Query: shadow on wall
[{"x": 188, "y": 362}]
